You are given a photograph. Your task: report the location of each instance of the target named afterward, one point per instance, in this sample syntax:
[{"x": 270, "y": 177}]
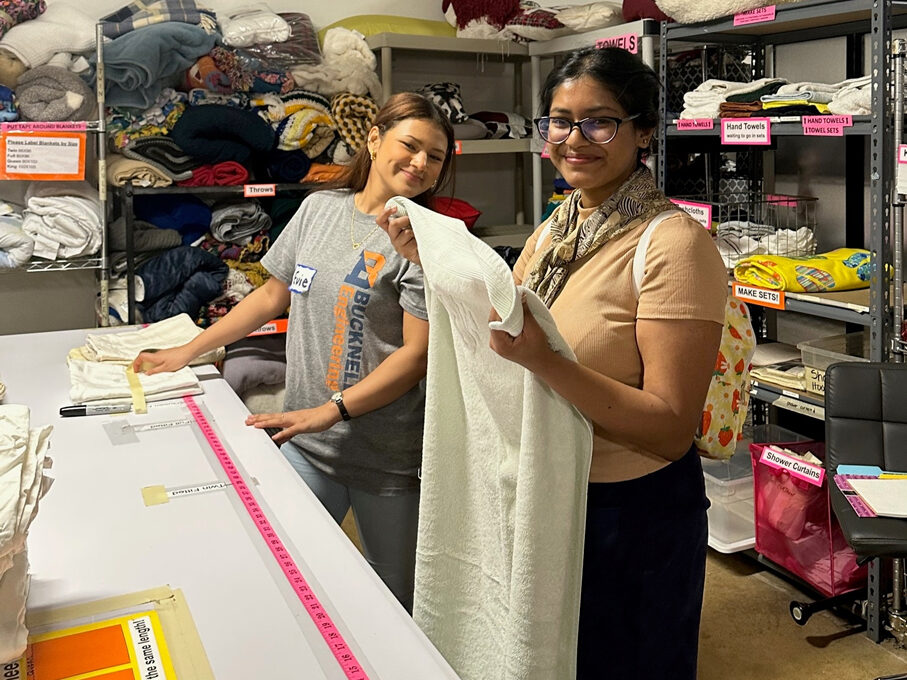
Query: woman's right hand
[
  {"x": 162, "y": 360},
  {"x": 401, "y": 234}
]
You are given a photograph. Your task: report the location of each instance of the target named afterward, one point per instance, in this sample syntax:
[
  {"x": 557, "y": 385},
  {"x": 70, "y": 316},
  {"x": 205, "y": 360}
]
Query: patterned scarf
[{"x": 635, "y": 202}]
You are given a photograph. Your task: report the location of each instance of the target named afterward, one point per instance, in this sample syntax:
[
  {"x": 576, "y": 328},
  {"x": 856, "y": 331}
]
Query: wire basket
[{"x": 755, "y": 223}]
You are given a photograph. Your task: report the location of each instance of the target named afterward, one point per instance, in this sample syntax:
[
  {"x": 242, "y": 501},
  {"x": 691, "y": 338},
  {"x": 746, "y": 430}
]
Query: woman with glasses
[{"x": 644, "y": 362}]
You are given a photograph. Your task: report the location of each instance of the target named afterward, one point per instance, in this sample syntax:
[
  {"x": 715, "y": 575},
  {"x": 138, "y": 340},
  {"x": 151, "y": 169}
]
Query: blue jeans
[{"x": 386, "y": 524}]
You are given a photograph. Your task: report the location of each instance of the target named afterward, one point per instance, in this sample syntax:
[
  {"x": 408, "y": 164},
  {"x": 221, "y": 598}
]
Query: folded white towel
[
  {"x": 106, "y": 382},
  {"x": 505, "y": 470},
  {"x": 693, "y": 11},
  {"x": 124, "y": 346}
]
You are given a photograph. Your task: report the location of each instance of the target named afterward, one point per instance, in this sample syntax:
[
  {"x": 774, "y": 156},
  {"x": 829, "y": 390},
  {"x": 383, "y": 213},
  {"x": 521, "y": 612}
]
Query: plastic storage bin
[
  {"x": 821, "y": 353},
  {"x": 795, "y": 527},
  {"x": 729, "y": 486}
]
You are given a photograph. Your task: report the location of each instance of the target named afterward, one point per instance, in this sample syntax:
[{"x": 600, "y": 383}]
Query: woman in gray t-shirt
[{"x": 357, "y": 337}]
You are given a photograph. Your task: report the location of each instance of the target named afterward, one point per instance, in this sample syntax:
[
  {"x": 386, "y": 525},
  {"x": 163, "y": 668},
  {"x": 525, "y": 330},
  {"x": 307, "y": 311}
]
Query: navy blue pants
[{"x": 644, "y": 575}]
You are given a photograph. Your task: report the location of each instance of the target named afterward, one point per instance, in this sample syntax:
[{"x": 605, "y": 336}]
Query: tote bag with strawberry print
[{"x": 728, "y": 397}]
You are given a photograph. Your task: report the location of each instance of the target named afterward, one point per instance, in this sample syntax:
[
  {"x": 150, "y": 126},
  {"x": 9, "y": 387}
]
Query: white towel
[
  {"x": 92, "y": 382},
  {"x": 125, "y": 346},
  {"x": 13, "y": 593},
  {"x": 505, "y": 470},
  {"x": 63, "y": 218}
]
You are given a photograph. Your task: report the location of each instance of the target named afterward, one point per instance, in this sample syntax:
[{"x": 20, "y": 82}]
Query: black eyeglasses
[{"x": 598, "y": 130}]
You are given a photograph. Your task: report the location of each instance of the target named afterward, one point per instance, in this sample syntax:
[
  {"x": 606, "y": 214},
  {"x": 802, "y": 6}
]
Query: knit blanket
[
  {"x": 505, "y": 470},
  {"x": 49, "y": 93},
  {"x": 62, "y": 28}
]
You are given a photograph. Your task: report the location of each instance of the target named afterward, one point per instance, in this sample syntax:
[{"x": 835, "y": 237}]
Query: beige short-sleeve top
[{"x": 597, "y": 309}]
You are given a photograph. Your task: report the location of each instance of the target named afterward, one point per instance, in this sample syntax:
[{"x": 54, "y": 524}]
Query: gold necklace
[{"x": 358, "y": 244}]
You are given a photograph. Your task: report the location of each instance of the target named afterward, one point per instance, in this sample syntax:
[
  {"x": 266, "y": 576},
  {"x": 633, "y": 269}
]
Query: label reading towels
[{"x": 302, "y": 279}]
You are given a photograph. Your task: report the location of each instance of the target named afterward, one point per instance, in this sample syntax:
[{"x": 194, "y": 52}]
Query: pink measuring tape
[
  {"x": 852, "y": 496},
  {"x": 323, "y": 622}
]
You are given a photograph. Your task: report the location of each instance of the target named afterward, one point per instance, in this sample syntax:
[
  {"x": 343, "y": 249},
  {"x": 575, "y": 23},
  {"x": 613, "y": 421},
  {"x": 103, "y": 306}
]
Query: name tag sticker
[{"x": 302, "y": 279}]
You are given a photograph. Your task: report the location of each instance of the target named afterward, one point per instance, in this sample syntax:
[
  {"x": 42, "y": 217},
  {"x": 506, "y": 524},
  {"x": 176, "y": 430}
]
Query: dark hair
[
  {"x": 399, "y": 107},
  {"x": 634, "y": 85}
]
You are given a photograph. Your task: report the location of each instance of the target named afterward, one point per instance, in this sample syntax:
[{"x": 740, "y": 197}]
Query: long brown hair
[{"x": 399, "y": 107}]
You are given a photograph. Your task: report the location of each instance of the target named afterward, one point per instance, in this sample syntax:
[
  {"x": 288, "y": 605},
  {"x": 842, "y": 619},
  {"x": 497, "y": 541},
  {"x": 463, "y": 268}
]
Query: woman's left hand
[
  {"x": 530, "y": 349},
  {"x": 306, "y": 420}
]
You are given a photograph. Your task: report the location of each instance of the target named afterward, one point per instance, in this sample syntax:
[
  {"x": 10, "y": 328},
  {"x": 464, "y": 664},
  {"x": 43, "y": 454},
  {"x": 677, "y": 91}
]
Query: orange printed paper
[
  {"x": 43, "y": 155},
  {"x": 124, "y": 648}
]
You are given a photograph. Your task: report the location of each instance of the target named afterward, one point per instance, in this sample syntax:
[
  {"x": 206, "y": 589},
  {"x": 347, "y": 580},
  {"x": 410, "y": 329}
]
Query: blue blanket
[{"x": 139, "y": 64}]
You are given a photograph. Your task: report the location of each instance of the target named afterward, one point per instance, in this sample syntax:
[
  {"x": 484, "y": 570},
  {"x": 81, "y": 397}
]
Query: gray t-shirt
[{"x": 346, "y": 317}]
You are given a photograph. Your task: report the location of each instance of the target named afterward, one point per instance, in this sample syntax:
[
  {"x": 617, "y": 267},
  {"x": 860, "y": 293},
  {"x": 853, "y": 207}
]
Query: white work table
[{"x": 94, "y": 537}]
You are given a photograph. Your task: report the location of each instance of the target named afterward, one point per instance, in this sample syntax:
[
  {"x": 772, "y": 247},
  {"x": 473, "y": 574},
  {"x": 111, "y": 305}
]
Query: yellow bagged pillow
[{"x": 841, "y": 269}]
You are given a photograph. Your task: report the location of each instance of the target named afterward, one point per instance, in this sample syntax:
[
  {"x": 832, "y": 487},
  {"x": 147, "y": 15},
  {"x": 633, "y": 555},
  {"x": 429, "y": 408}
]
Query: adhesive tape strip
[
  {"x": 155, "y": 495},
  {"x": 138, "y": 394}
]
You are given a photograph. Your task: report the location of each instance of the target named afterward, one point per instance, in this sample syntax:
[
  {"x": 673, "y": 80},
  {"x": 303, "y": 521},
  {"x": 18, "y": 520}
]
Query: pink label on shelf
[
  {"x": 56, "y": 126},
  {"x": 701, "y": 212},
  {"x": 627, "y": 41},
  {"x": 823, "y": 129},
  {"x": 755, "y": 16},
  {"x": 843, "y": 121},
  {"x": 696, "y": 124},
  {"x": 746, "y": 131},
  {"x": 814, "y": 474}
]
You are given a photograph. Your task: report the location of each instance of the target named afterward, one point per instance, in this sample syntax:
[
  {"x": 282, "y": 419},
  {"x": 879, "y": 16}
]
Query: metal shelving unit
[
  {"x": 98, "y": 262},
  {"x": 128, "y": 192},
  {"x": 805, "y": 21}
]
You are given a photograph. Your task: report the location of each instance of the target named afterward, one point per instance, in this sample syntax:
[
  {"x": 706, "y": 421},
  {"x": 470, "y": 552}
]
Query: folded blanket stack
[
  {"x": 215, "y": 133},
  {"x": 63, "y": 218},
  {"x": 23, "y": 462},
  {"x": 706, "y": 99},
  {"x": 142, "y": 13},
  {"x": 139, "y": 64},
  {"x": 237, "y": 221},
  {"x": 353, "y": 115},
  {"x": 181, "y": 280},
  {"x": 163, "y": 154},
  {"x": 122, "y": 170},
  {"x": 125, "y": 124}
]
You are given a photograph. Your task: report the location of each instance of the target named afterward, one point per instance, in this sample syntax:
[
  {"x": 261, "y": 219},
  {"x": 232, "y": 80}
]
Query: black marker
[{"x": 95, "y": 410}]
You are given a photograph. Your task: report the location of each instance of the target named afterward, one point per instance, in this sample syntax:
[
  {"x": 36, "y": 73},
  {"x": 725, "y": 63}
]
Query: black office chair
[{"x": 866, "y": 424}]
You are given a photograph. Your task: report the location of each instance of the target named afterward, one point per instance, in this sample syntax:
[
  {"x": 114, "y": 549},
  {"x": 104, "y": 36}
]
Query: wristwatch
[{"x": 337, "y": 398}]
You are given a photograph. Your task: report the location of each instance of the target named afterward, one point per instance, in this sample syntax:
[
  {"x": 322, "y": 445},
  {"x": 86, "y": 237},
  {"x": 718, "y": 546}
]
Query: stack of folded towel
[
  {"x": 23, "y": 460},
  {"x": 98, "y": 370}
]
